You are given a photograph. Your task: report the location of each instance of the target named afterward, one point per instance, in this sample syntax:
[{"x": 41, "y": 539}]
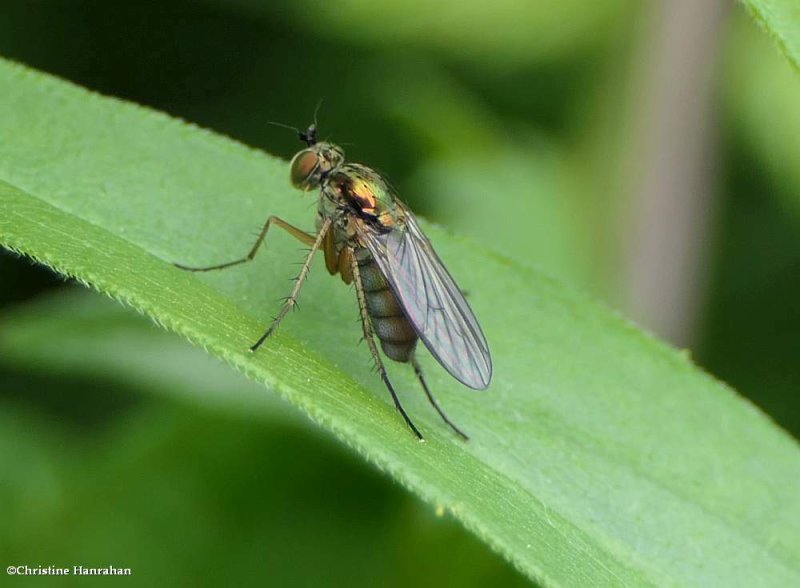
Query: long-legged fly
[{"x": 372, "y": 240}]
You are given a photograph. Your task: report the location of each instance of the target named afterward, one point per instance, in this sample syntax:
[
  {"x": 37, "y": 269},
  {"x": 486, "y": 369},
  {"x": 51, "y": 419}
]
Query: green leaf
[
  {"x": 781, "y": 20},
  {"x": 763, "y": 97},
  {"x": 243, "y": 468},
  {"x": 598, "y": 456}
]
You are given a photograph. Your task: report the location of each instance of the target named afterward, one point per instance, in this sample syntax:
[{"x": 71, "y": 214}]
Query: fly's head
[{"x": 311, "y": 165}]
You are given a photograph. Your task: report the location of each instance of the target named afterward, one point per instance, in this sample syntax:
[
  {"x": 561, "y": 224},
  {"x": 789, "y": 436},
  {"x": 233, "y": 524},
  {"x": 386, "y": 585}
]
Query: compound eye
[{"x": 303, "y": 170}]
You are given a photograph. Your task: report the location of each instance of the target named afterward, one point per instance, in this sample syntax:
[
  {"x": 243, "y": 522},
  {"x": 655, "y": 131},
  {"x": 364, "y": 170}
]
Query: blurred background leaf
[
  {"x": 763, "y": 94},
  {"x": 175, "y": 474},
  {"x": 513, "y": 33},
  {"x": 781, "y": 20}
]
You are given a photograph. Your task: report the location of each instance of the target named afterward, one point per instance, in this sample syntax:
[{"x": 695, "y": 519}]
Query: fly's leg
[
  {"x": 370, "y": 339},
  {"x": 421, "y": 378},
  {"x": 291, "y": 301},
  {"x": 291, "y": 229}
]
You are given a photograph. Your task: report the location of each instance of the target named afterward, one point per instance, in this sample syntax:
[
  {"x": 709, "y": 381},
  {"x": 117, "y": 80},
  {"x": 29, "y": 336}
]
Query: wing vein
[{"x": 431, "y": 300}]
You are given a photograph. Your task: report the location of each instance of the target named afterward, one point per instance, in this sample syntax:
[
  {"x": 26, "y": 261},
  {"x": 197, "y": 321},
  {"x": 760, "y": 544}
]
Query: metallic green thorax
[
  {"x": 358, "y": 187},
  {"x": 345, "y": 186}
]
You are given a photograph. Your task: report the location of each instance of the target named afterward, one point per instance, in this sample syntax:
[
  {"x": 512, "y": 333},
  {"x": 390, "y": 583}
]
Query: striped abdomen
[{"x": 389, "y": 322}]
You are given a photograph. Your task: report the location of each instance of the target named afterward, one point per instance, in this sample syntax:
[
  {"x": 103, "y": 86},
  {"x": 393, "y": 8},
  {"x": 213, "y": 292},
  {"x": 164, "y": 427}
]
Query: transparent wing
[{"x": 432, "y": 302}]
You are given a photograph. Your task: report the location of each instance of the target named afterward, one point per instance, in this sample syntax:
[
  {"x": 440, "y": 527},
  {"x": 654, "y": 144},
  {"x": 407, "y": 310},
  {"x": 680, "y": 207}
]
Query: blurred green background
[{"x": 645, "y": 152}]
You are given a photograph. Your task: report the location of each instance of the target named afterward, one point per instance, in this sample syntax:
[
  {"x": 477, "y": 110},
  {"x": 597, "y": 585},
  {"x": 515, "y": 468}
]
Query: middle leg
[{"x": 291, "y": 301}]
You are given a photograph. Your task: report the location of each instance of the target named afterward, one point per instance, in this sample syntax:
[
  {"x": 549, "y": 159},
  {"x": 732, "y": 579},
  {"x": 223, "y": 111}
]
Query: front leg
[
  {"x": 298, "y": 234},
  {"x": 291, "y": 301}
]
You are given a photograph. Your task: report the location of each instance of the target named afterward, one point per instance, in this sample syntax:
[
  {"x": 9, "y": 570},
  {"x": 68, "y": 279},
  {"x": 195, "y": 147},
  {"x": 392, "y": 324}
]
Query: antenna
[
  {"x": 277, "y": 124},
  {"x": 309, "y": 137},
  {"x": 316, "y": 111}
]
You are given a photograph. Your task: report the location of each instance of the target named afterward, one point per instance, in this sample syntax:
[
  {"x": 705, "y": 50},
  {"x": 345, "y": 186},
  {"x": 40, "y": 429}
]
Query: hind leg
[
  {"x": 369, "y": 337},
  {"x": 445, "y": 418}
]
